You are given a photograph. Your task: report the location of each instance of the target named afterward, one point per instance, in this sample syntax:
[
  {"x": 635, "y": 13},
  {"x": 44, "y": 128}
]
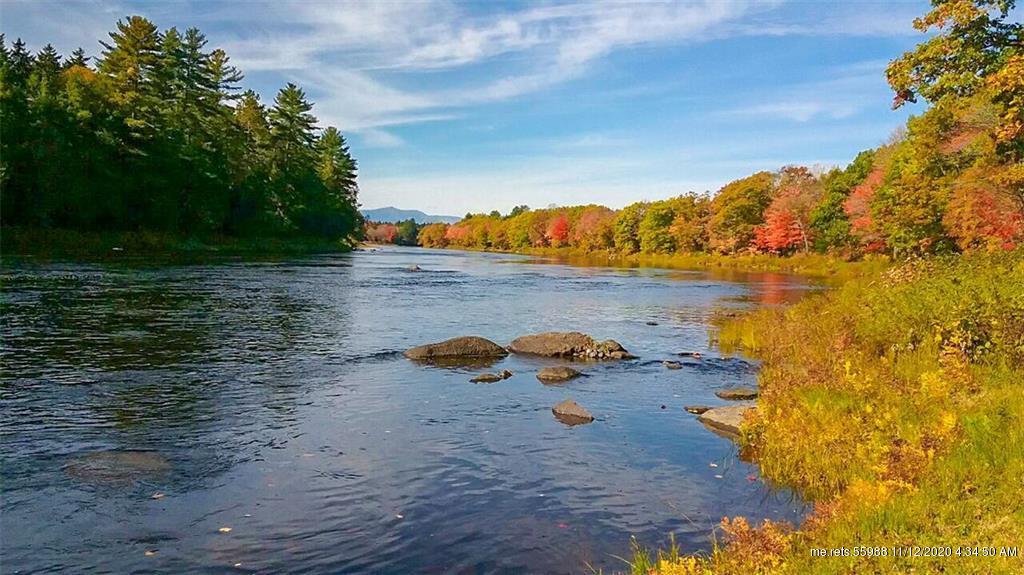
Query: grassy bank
[
  {"x": 897, "y": 405},
  {"x": 812, "y": 265},
  {"x": 71, "y": 244}
]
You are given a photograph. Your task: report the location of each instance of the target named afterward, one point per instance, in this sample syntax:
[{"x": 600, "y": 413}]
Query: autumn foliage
[{"x": 940, "y": 186}]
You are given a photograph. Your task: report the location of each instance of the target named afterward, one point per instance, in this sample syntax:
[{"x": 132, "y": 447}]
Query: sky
[{"x": 454, "y": 107}]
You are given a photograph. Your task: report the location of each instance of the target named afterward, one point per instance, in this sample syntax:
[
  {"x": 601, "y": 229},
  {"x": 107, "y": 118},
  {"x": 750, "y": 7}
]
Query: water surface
[{"x": 271, "y": 398}]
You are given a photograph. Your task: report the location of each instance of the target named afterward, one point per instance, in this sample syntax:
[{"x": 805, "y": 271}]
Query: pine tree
[
  {"x": 45, "y": 74},
  {"x": 21, "y": 63},
  {"x": 78, "y": 58},
  {"x": 335, "y": 166},
  {"x": 292, "y": 127},
  {"x": 129, "y": 63}
]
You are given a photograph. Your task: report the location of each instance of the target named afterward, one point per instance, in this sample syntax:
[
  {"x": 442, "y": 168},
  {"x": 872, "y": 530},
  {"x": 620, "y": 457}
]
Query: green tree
[
  {"x": 654, "y": 233},
  {"x": 408, "y": 231},
  {"x": 78, "y": 58},
  {"x": 737, "y": 209},
  {"x": 335, "y": 165},
  {"x": 627, "y": 228},
  {"x": 829, "y": 223},
  {"x": 128, "y": 61}
]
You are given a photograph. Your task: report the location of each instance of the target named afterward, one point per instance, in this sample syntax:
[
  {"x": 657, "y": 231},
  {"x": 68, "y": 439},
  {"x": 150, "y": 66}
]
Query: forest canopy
[{"x": 156, "y": 133}]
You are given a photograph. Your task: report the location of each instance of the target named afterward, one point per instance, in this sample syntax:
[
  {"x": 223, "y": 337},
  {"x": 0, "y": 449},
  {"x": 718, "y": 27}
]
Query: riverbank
[
  {"x": 62, "y": 244},
  {"x": 897, "y": 405},
  {"x": 810, "y": 264}
]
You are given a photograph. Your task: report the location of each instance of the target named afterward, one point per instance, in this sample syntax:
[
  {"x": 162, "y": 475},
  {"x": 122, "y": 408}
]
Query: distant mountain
[{"x": 392, "y": 215}]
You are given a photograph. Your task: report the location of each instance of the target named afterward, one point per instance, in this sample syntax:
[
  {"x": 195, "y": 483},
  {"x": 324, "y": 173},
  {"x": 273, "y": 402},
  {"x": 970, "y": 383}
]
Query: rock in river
[
  {"x": 568, "y": 344},
  {"x": 571, "y": 413},
  {"x": 696, "y": 409},
  {"x": 672, "y": 364},
  {"x": 726, "y": 420},
  {"x": 118, "y": 466},
  {"x": 737, "y": 393},
  {"x": 557, "y": 374},
  {"x": 487, "y": 378},
  {"x": 468, "y": 347}
]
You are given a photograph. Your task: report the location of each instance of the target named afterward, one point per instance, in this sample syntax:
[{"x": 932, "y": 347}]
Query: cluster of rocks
[
  {"x": 573, "y": 345},
  {"x": 568, "y": 345},
  {"x": 580, "y": 346}
]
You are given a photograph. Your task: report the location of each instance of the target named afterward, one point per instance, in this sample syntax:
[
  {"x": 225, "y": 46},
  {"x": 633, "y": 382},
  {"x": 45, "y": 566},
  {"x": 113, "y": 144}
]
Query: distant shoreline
[
  {"x": 20, "y": 242},
  {"x": 812, "y": 265}
]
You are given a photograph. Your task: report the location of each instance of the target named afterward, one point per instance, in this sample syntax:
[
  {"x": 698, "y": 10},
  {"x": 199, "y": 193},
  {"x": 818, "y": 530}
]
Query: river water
[{"x": 239, "y": 416}]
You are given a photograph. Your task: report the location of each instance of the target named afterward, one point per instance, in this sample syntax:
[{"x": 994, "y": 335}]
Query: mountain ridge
[{"x": 392, "y": 214}]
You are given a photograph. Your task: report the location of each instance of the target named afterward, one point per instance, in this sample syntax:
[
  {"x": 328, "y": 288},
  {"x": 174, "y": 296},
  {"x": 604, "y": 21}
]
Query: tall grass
[{"x": 896, "y": 404}]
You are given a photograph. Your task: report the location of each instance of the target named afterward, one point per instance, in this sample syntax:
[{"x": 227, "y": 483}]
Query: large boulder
[
  {"x": 568, "y": 344},
  {"x": 468, "y": 347},
  {"x": 571, "y": 413},
  {"x": 737, "y": 393},
  {"x": 557, "y": 374},
  {"x": 726, "y": 420}
]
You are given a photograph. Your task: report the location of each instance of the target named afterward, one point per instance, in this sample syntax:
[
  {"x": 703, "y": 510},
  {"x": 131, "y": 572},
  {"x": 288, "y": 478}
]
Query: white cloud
[{"x": 375, "y": 138}]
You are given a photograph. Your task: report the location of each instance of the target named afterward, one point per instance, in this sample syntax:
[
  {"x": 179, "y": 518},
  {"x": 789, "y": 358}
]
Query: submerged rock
[
  {"x": 726, "y": 420},
  {"x": 118, "y": 466},
  {"x": 487, "y": 378},
  {"x": 652, "y": 323},
  {"x": 557, "y": 374},
  {"x": 672, "y": 364},
  {"x": 568, "y": 344},
  {"x": 414, "y": 268},
  {"x": 467, "y": 347},
  {"x": 737, "y": 393},
  {"x": 697, "y": 409},
  {"x": 571, "y": 413},
  {"x": 693, "y": 354},
  {"x": 505, "y": 374}
]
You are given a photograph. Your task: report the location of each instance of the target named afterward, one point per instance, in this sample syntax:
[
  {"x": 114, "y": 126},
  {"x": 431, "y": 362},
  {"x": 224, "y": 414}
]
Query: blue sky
[{"x": 456, "y": 107}]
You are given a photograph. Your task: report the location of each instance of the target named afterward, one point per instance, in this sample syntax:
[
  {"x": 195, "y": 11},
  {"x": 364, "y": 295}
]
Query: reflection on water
[{"x": 145, "y": 407}]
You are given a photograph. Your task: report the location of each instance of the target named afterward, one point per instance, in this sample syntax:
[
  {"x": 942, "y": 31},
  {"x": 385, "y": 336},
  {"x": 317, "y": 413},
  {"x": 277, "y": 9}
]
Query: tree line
[
  {"x": 403, "y": 233},
  {"x": 156, "y": 134},
  {"x": 952, "y": 180}
]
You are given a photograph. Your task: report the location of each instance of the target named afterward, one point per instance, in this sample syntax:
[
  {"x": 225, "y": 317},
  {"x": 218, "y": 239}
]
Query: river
[{"x": 272, "y": 424}]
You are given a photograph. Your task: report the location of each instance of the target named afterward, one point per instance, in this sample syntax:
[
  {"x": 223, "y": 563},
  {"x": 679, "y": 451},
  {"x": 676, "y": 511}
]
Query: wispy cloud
[{"x": 845, "y": 91}]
